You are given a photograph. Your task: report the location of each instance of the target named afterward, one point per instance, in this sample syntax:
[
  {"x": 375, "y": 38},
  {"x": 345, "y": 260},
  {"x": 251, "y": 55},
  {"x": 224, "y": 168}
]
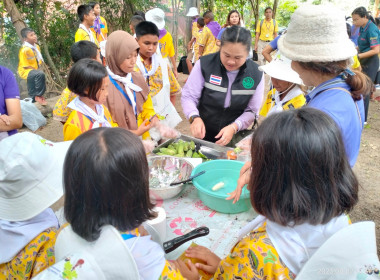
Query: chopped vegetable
[
  {"x": 218, "y": 186},
  {"x": 167, "y": 151},
  {"x": 231, "y": 155}
]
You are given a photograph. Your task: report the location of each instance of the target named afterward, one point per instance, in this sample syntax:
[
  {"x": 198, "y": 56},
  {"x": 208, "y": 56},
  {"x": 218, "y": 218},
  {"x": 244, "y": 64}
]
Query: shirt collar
[
  {"x": 365, "y": 27},
  {"x": 335, "y": 82}
]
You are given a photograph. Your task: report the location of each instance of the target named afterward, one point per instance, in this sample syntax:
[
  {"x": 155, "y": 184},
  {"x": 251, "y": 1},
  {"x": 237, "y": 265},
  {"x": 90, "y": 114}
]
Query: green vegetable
[
  {"x": 167, "y": 151},
  {"x": 189, "y": 153},
  {"x": 180, "y": 148},
  {"x": 196, "y": 155},
  {"x": 192, "y": 145},
  {"x": 180, "y": 155},
  {"x": 160, "y": 154},
  {"x": 202, "y": 155},
  {"x": 186, "y": 146},
  {"x": 237, "y": 150},
  {"x": 172, "y": 147}
]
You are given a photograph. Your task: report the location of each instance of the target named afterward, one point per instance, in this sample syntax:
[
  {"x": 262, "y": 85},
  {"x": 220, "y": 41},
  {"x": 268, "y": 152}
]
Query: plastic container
[{"x": 217, "y": 171}]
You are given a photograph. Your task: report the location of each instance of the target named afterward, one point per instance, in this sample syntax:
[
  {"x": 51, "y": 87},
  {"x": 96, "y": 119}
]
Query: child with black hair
[
  {"x": 87, "y": 17},
  {"x": 100, "y": 25},
  {"x": 298, "y": 211},
  {"x": 106, "y": 182},
  {"x": 135, "y": 20},
  {"x": 30, "y": 61},
  {"x": 89, "y": 80},
  {"x": 79, "y": 50},
  {"x": 163, "y": 86}
]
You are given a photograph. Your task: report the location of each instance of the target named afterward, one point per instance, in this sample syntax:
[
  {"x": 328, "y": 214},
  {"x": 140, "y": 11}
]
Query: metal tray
[{"x": 209, "y": 149}]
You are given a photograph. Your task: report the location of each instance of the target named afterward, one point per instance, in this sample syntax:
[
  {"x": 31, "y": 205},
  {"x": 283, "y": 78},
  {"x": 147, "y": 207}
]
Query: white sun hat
[
  {"x": 157, "y": 16},
  {"x": 30, "y": 175},
  {"x": 193, "y": 11},
  {"x": 280, "y": 68},
  {"x": 317, "y": 34}
]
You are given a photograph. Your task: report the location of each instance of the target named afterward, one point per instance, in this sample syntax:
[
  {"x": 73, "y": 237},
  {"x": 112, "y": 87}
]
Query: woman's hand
[
  {"x": 245, "y": 175},
  {"x": 225, "y": 135},
  {"x": 188, "y": 271},
  {"x": 202, "y": 253},
  {"x": 198, "y": 129},
  {"x": 5, "y": 119}
]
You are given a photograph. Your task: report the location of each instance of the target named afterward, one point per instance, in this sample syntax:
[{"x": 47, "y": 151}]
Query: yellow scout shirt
[
  {"x": 82, "y": 35},
  {"x": 103, "y": 30},
  {"x": 61, "y": 112},
  {"x": 207, "y": 39},
  {"x": 267, "y": 28},
  {"x": 27, "y": 57},
  {"x": 166, "y": 45}
]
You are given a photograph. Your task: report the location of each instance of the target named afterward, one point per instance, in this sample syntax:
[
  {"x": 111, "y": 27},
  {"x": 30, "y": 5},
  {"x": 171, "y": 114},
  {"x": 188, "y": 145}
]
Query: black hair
[
  {"x": 83, "y": 10},
  {"x": 236, "y": 34},
  {"x": 135, "y": 20},
  {"x": 377, "y": 20},
  {"x": 25, "y": 31},
  {"x": 83, "y": 49},
  {"x": 93, "y": 4},
  {"x": 362, "y": 12},
  {"x": 209, "y": 15},
  {"x": 301, "y": 173},
  {"x": 228, "y": 18},
  {"x": 106, "y": 182},
  {"x": 146, "y": 28},
  {"x": 86, "y": 75},
  {"x": 139, "y": 13},
  {"x": 201, "y": 21},
  {"x": 268, "y": 8},
  {"x": 348, "y": 26}
]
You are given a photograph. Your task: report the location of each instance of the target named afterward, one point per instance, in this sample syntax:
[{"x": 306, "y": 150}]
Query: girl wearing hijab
[{"x": 128, "y": 94}]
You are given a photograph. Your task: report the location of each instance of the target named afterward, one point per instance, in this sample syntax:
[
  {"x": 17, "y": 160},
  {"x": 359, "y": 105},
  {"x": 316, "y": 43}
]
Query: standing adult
[
  {"x": 266, "y": 31},
  {"x": 223, "y": 94},
  {"x": 369, "y": 47},
  {"x": 233, "y": 18}
]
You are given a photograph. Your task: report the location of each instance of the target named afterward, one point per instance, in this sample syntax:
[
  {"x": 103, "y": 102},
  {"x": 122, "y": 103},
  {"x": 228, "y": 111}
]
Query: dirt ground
[{"x": 367, "y": 167}]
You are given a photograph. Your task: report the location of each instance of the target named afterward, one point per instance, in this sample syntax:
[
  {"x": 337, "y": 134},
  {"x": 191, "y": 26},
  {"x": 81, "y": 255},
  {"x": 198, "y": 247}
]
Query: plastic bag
[
  {"x": 245, "y": 143},
  {"x": 148, "y": 146},
  {"x": 163, "y": 131},
  {"x": 31, "y": 116}
]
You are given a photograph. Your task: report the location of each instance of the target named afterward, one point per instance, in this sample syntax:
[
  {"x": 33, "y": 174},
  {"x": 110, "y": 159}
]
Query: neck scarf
[
  {"x": 214, "y": 27},
  {"x": 156, "y": 59},
  {"x": 35, "y": 49},
  {"x": 294, "y": 92},
  {"x": 162, "y": 33},
  {"x": 98, "y": 117},
  {"x": 97, "y": 26},
  {"x": 128, "y": 85},
  {"x": 92, "y": 39}
]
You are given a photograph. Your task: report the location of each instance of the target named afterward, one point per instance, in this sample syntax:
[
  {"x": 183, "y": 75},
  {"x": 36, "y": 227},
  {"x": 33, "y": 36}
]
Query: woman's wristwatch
[{"x": 192, "y": 118}]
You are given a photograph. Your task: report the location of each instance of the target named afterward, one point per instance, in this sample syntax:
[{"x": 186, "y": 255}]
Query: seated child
[
  {"x": 87, "y": 17},
  {"x": 100, "y": 25},
  {"x": 128, "y": 100},
  {"x": 30, "y": 182},
  {"x": 89, "y": 80},
  {"x": 106, "y": 181},
  {"x": 30, "y": 60},
  {"x": 81, "y": 49},
  {"x": 158, "y": 74},
  {"x": 298, "y": 210},
  {"x": 286, "y": 93}
]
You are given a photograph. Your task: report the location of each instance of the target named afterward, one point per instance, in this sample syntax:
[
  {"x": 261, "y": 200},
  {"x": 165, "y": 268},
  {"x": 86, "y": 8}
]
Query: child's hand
[
  {"x": 188, "y": 271},
  {"x": 144, "y": 127},
  {"x": 5, "y": 119},
  {"x": 245, "y": 175},
  {"x": 199, "y": 252}
]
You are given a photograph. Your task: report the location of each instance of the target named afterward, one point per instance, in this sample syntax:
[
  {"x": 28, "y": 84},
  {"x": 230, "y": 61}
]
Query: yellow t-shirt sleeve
[
  {"x": 276, "y": 27},
  {"x": 70, "y": 131},
  {"x": 81, "y": 35},
  {"x": 170, "y": 46},
  {"x": 203, "y": 37},
  {"x": 258, "y": 27}
]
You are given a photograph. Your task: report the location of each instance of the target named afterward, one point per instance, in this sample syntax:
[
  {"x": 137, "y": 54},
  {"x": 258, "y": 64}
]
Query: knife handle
[{"x": 178, "y": 241}]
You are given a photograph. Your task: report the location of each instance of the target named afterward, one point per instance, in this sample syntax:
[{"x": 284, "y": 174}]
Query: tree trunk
[
  {"x": 15, "y": 16},
  {"x": 255, "y": 9},
  {"x": 189, "y": 4},
  {"x": 275, "y": 4},
  {"x": 45, "y": 50},
  {"x": 376, "y": 8}
]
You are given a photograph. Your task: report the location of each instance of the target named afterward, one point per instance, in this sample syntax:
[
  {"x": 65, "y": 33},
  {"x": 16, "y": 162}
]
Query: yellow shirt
[
  {"x": 356, "y": 63},
  {"x": 146, "y": 113},
  {"x": 196, "y": 34},
  {"x": 267, "y": 30},
  {"x": 294, "y": 103},
  {"x": 77, "y": 123},
  {"x": 166, "y": 45},
  {"x": 155, "y": 82},
  {"x": 33, "y": 259},
  {"x": 61, "y": 112},
  {"x": 103, "y": 30},
  {"x": 82, "y": 35},
  {"x": 207, "y": 39},
  {"x": 27, "y": 57}
]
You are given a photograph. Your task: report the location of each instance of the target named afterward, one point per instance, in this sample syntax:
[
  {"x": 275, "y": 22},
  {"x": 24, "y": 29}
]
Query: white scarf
[
  {"x": 128, "y": 85},
  {"x": 92, "y": 39},
  {"x": 295, "y": 245},
  {"x": 14, "y": 236},
  {"x": 34, "y": 48},
  {"x": 99, "y": 117},
  {"x": 294, "y": 92},
  {"x": 156, "y": 59}
]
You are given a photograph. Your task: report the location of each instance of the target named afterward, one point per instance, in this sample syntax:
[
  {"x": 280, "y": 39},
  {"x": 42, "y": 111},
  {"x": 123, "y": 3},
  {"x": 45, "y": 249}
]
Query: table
[{"x": 187, "y": 212}]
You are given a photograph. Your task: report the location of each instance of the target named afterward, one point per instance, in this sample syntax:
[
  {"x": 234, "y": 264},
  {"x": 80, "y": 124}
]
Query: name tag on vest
[{"x": 216, "y": 80}]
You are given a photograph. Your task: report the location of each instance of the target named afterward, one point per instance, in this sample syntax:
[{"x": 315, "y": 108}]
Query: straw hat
[
  {"x": 30, "y": 175},
  {"x": 317, "y": 34},
  {"x": 157, "y": 16},
  {"x": 193, "y": 11},
  {"x": 280, "y": 68}
]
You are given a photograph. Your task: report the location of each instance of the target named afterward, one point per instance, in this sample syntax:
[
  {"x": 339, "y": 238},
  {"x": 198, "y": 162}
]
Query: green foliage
[{"x": 285, "y": 11}]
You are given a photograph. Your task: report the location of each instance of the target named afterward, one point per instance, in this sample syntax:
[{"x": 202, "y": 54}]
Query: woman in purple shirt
[
  {"x": 223, "y": 94},
  {"x": 10, "y": 110}
]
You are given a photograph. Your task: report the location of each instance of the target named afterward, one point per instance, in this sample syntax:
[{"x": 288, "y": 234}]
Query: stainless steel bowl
[{"x": 164, "y": 170}]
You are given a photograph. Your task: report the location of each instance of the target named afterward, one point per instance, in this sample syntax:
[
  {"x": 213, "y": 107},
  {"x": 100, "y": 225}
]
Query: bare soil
[{"x": 367, "y": 167}]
